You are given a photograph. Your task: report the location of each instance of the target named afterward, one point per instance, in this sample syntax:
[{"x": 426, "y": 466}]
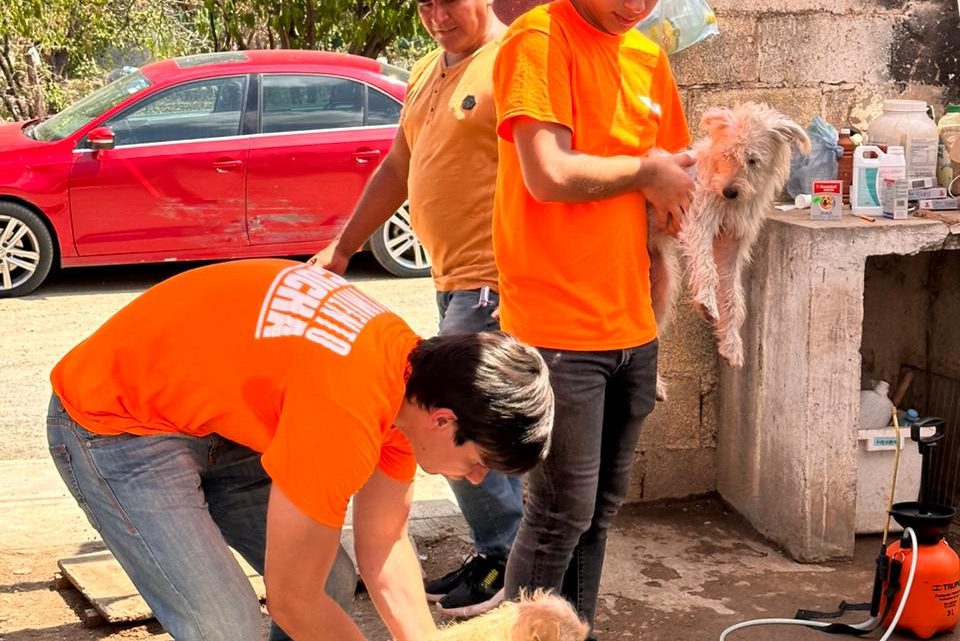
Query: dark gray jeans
[
  {"x": 601, "y": 401},
  {"x": 492, "y": 509}
]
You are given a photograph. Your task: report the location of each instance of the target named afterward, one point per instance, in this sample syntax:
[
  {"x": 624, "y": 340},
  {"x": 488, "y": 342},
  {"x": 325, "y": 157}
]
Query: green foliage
[
  {"x": 53, "y": 51},
  {"x": 361, "y": 27},
  {"x": 403, "y": 52}
]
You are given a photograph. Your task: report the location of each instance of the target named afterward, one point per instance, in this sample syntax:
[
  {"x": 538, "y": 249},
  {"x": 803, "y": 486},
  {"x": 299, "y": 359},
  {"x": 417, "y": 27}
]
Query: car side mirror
[{"x": 101, "y": 138}]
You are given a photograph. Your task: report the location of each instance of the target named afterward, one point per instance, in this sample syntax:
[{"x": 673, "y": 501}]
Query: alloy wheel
[
  {"x": 397, "y": 248},
  {"x": 19, "y": 252}
]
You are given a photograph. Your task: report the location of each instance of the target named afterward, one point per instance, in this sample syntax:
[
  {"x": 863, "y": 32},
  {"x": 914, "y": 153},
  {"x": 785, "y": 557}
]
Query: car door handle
[
  {"x": 223, "y": 166},
  {"x": 364, "y": 156}
]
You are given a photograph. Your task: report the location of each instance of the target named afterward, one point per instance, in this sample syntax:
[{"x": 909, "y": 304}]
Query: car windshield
[{"x": 63, "y": 124}]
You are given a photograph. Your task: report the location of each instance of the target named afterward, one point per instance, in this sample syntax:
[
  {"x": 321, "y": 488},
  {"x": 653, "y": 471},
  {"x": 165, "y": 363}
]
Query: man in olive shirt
[{"x": 444, "y": 161}]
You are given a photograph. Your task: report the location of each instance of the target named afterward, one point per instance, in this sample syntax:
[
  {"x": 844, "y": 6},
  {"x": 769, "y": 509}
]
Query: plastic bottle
[
  {"x": 845, "y": 163},
  {"x": 906, "y": 123},
  {"x": 949, "y": 128},
  {"x": 870, "y": 167},
  {"x": 876, "y": 408}
]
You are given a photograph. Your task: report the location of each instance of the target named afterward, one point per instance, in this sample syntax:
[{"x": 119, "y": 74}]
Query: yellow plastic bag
[{"x": 678, "y": 24}]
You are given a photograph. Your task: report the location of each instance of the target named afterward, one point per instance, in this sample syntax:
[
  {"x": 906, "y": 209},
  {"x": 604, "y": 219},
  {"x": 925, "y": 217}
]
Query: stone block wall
[{"x": 836, "y": 58}]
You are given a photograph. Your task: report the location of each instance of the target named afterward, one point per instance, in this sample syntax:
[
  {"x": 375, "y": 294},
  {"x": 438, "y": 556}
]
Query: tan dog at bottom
[{"x": 542, "y": 617}]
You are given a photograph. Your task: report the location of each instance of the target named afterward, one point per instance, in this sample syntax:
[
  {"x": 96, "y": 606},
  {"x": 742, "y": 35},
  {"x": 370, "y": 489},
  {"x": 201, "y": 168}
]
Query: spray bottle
[{"x": 933, "y": 605}]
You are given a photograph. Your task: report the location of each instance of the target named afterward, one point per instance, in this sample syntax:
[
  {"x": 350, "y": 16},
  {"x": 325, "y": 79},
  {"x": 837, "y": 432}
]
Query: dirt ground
[{"x": 32, "y": 610}]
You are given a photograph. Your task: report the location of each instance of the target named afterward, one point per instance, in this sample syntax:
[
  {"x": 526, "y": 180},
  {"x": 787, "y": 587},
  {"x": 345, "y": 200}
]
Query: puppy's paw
[
  {"x": 707, "y": 309},
  {"x": 731, "y": 348},
  {"x": 702, "y": 312},
  {"x": 661, "y": 389}
]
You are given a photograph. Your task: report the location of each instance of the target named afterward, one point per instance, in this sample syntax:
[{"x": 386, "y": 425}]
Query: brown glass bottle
[{"x": 845, "y": 163}]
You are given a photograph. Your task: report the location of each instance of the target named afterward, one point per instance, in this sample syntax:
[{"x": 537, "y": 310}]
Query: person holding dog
[
  {"x": 582, "y": 98},
  {"x": 245, "y": 404},
  {"x": 444, "y": 160}
]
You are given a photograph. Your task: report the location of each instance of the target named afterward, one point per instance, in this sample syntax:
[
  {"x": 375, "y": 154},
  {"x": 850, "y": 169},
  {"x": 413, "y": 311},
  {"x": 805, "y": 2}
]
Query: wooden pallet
[{"x": 112, "y": 596}]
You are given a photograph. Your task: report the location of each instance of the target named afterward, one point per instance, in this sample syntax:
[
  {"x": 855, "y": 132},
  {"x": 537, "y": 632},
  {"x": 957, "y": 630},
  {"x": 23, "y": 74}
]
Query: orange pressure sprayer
[{"x": 933, "y": 604}]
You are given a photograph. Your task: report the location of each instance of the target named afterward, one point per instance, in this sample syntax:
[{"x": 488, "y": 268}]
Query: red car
[{"x": 214, "y": 156}]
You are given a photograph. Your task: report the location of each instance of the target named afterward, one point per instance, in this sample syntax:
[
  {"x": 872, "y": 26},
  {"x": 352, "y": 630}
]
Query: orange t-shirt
[
  {"x": 449, "y": 123},
  {"x": 287, "y": 359},
  {"x": 577, "y": 276}
]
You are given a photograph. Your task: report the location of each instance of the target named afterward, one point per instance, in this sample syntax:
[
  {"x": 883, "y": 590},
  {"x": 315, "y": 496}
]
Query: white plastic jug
[
  {"x": 906, "y": 123},
  {"x": 870, "y": 168},
  {"x": 876, "y": 408}
]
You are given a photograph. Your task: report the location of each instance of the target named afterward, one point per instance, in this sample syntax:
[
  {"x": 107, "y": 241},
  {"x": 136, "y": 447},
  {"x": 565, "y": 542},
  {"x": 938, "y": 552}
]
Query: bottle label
[
  {"x": 867, "y": 193},
  {"x": 922, "y": 157}
]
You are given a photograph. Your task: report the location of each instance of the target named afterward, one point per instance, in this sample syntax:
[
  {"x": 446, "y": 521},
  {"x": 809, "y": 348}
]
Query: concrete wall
[
  {"x": 836, "y": 58},
  {"x": 911, "y": 316}
]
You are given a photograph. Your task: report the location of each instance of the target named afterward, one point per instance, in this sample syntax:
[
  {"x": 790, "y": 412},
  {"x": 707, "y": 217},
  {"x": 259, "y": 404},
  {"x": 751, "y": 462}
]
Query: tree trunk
[
  {"x": 213, "y": 27},
  {"x": 311, "y": 31},
  {"x": 14, "y": 97},
  {"x": 32, "y": 58}
]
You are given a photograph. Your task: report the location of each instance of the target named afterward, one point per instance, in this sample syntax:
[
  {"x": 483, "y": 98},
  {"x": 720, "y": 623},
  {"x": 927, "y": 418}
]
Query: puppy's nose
[{"x": 730, "y": 192}]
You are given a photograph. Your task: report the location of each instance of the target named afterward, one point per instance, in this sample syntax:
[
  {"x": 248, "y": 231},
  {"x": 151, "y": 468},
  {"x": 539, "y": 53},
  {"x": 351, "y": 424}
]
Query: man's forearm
[
  {"x": 555, "y": 172},
  {"x": 396, "y": 587},
  {"x": 315, "y": 618},
  {"x": 382, "y": 196},
  {"x": 579, "y": 177}
]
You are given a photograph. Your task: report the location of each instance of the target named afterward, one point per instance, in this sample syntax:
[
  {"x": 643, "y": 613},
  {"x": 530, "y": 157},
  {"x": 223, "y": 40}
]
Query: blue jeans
[
  {"x": 601, "y": 400},
  {"x": 492, "y": 509},
  {"x": 167, "y": 507}
]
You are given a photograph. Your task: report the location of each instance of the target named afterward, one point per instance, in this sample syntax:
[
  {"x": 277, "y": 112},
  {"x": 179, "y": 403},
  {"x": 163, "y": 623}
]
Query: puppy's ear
[
  {"x": 792, "y": 134},
  {"x": 715, "y": 119},
  {"x": 539, "y": 630},
  {"x": 534, "y": 621}
]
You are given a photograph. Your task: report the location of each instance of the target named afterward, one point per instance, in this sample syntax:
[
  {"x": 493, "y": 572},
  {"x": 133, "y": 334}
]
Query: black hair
[{"x": 499, "y": 390}]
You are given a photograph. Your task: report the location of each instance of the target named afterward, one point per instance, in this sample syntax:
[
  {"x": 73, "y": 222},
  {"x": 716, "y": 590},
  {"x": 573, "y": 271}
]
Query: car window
[
  {"x": 203, "y": 109},
  {"x": 381, "y": 108},
  {"x": 68, "y": 121},
  {"x": 304, "y": 103}
]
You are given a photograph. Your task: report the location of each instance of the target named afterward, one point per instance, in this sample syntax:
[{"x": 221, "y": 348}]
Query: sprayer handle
[{"x": 930, "y": 441}]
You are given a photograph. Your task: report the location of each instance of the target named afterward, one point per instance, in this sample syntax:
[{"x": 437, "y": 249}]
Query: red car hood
[{"x": 12, "y": 138}]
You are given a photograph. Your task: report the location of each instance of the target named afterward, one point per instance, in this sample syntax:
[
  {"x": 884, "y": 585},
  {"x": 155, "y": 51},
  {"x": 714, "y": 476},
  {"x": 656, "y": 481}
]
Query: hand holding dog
[{"x": 667, "y": 188}]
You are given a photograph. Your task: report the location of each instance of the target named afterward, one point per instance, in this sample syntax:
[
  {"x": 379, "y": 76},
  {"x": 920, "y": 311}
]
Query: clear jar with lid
[{"x": 906, "y": 123}]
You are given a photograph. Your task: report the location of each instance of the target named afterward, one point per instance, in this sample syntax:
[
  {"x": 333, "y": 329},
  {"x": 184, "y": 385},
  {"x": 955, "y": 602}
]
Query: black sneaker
[
  {"x": 439, "y": 588},
  {"x": 480, "y": 589}
]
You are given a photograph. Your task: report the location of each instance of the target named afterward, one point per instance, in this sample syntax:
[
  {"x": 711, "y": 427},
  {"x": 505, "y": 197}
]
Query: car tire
[
  {"x": 26, "y": 250},
  {"x": 397, "y": 248}
]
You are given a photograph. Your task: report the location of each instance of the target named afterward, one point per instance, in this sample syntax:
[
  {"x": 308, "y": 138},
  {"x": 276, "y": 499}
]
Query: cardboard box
[
  {"x": 940, "y": 204},
  {"x": 920, "y": 183},
  {"x": 826, "y": 200},
  {"x": 927, "y": 193},
  {"x": 894, "y": 199}
]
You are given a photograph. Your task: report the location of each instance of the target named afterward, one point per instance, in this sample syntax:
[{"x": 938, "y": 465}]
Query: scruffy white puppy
[
  {"x": 542, "y": 617},
  {"x": 741, "y": 166}
]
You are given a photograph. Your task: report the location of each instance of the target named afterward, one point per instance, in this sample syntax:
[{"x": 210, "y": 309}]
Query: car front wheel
[
  {"x": 397, "y": 248},
  {"x": 26, "y": 250}
]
